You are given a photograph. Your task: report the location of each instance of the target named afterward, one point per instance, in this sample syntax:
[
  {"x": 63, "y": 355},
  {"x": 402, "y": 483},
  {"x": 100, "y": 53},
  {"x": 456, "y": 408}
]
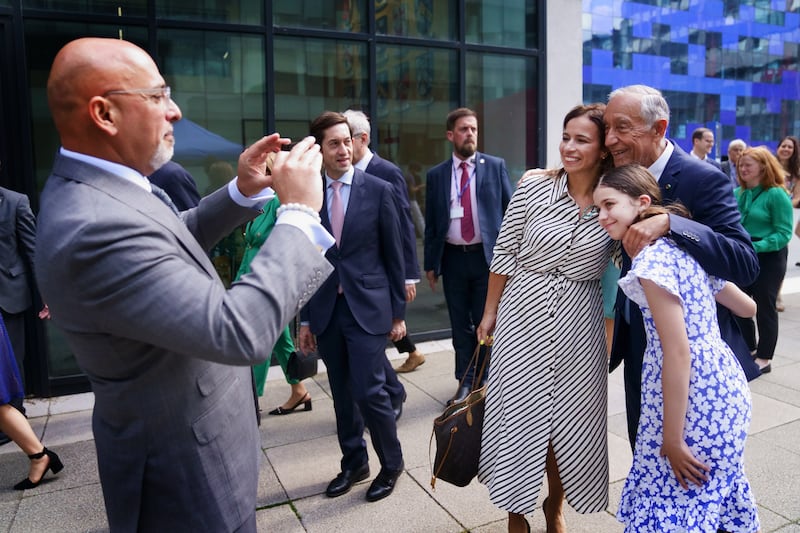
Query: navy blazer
[
  {"x": 714, "y": 236},
  {"x": 493, "y": 192},
  {"x": 178, "y": 184},
  {"x": 369, "y": 262},
  {"x": 388, "y": 171},
  {"x": 17, "y": 245}
]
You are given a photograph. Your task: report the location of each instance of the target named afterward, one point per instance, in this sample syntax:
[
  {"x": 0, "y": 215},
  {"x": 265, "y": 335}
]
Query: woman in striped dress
[{"x": 547, "y": 389}]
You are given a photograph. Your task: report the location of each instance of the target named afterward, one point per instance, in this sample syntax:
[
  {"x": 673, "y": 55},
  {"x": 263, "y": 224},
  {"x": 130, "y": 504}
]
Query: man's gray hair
[
  {"x": 654, "y": 105},
  {"x": 737, "y": 143},
  {"x": 358, "y": 121}
]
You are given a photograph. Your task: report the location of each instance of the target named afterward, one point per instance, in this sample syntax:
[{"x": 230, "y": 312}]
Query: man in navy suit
[
  {"x": 371, "y": 163},
  {"x": 702, "y": 144},
  {"x": 178, "y": 184},
  {"x": 354, "y": 311},
  {"x": 466, "y": 197},
  {"x": 636, "y": 120}
]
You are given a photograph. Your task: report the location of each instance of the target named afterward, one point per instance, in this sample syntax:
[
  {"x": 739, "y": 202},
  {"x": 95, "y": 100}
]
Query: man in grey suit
[{"x": 165, "y": 346}]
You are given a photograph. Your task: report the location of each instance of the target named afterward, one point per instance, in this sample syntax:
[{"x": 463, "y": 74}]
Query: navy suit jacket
[
  {"x": 17, "y": 244},
  {"x": 178, "y": 184},
  {"x": 714, "y": 236},
  {"x": 388, "y": 171},
  {"x": 368, "y": 264},
  {"x": 493, "y": 192}
]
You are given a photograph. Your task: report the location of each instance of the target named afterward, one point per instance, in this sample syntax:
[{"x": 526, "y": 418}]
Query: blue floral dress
[
  {"x": 717, "y": 416},
  {"x": 10, "y": 382}
]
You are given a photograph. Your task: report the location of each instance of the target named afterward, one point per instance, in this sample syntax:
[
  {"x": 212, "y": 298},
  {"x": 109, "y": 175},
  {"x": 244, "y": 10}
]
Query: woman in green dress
[{"x": 255, "y": 235}]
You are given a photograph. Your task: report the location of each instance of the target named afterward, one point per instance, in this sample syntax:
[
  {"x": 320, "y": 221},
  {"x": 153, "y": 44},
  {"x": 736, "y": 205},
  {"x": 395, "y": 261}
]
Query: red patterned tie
[{"x": 467, "y": 229}]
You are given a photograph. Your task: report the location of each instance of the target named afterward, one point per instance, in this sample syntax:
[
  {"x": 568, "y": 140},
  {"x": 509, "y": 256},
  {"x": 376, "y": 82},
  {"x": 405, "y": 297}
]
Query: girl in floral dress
[{"x": 688, "y": 466}]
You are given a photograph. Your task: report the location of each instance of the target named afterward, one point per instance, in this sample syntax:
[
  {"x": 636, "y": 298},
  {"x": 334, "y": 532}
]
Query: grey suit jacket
[
  {"x": 156, "y": 332},
  {"x": 17, "y": 238}
]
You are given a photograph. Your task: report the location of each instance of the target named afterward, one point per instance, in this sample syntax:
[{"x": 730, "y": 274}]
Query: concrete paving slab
[
  {"x": 75, "y": 509},
  {"x": 791, "y": 528},
  {"x": 270, "y": 490},
  {"x": 67, "y": 428},
  {"x": 620, "y": 458},
  {"x": 408, "y": 509},
  {"x": 786, "y": 436},
  {"x": 299, "y": 426},
  {"x": 469, "y": 504},
  {"x": 769, "y": 413},
  {"x": 72, "y": 403},
  {"x": 281, "y": 518},
  {"x": 772, "y": 472},
  {"x": 8, "y": 511},
  {"x": 771, "y": 521}
]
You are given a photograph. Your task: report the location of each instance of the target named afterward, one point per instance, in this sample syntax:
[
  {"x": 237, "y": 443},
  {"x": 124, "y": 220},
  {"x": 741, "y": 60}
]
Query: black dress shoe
[
  {"x": 462, "y": 392},
  {"x": 342, "y": 483},
  {"x": 384, "y": 483},
  {"x": 766, "y": 369},
  {"x": 398, "y": 407}
]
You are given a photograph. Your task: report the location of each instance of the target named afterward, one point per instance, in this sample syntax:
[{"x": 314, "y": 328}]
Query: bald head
[{"x": 95, "y": 96}]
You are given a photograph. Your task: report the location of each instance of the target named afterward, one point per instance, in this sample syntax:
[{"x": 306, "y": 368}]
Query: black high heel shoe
[
  {"x": 305, "y": 400},
  {"x": 55, "y": 466}
]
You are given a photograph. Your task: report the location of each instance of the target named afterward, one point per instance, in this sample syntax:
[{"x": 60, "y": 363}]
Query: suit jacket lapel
[{"x": 134, "y": 197}]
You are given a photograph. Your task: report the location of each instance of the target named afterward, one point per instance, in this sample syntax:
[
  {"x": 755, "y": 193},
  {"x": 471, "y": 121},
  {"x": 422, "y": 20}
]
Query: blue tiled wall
[{"x": 730, "y": 65}]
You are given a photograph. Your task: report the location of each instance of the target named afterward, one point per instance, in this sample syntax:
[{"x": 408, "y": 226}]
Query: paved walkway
[{"x": 301, "y": 455}]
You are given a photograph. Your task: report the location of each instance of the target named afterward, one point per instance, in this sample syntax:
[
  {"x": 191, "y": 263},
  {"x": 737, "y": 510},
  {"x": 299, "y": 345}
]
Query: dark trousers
[
  {"x": 465, "y": 279},
  {"x": 765, "y": 293},
  {"x": 356, "y": 362},
  {"x": 634, "y": 355}
]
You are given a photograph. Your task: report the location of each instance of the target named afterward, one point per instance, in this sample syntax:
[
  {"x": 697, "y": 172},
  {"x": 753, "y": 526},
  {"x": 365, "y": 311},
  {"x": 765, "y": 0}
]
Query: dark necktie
[
  {"x": 467, "y": 228},
  {"x": 162, "y": 195}
]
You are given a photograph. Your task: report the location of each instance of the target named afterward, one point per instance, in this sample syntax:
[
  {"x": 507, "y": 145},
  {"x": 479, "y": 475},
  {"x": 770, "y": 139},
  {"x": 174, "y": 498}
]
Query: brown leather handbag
[{"x": 458, "y": 433}]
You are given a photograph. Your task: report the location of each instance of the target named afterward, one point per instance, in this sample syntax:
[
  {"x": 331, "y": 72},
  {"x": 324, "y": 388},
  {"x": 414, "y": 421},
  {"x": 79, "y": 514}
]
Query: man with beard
[
  {"x": 466, "y": 197},
  {"x": 165, "y": 346}
]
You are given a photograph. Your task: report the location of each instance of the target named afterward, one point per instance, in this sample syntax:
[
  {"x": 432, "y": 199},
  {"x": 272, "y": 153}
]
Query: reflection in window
[
  {"x": 217, "y": 79},
  {"x": 502, "y": 22},
  {"x": 344, "y": 15},
  {"x": 136, "y": 8},
  {"x": 42, "y": 41},
  {"x": 313, "y": 75},
  {"x": 428, "y": 19},
  {"x": 417, "y": 87},
  {"x": 234, "y": 11},
  {"x": 502, "y": 90}
]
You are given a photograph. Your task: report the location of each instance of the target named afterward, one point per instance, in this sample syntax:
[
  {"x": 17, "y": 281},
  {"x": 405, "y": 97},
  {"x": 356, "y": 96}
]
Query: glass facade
[
  {"x": 731, "y": 66},
  {"x": 242, "y": 68}
]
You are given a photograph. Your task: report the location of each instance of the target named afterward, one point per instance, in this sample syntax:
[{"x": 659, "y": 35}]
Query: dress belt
[{"x": 477, "y": 247}]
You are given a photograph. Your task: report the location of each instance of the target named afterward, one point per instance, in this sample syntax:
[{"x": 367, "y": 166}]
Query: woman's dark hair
[
  {"x": 792, "y": 165},
  {"x": 634, "y": 180},
  {"x": 593, "y": 112}
]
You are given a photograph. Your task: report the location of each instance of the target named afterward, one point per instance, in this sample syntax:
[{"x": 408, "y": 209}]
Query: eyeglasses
[{"x": 158, "y": 94}]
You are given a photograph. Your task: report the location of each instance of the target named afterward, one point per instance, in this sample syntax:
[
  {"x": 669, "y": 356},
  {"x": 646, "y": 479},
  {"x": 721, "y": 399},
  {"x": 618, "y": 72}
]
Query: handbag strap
[
  {"x": 435, "y": 474},
  {"x": 477, "y": 376}
]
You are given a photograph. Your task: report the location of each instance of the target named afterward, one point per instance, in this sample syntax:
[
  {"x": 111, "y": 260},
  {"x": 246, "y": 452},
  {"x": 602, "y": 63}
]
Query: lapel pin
[
  {"x": 482, "y": 160},
  {"x": 668, "y": 186}
]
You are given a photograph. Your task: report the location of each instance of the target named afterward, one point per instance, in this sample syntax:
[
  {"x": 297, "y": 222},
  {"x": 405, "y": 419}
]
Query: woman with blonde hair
[{"x": 767, "y": 216}]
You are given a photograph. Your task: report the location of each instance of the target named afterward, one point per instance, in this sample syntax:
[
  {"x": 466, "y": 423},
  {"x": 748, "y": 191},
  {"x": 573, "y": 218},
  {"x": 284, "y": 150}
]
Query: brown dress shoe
[{"x": 414, "y": 360}]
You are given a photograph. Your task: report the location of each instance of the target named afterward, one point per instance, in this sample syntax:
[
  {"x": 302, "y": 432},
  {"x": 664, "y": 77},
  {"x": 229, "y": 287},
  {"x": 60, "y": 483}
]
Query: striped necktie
[{"x": 162, "y": 195}]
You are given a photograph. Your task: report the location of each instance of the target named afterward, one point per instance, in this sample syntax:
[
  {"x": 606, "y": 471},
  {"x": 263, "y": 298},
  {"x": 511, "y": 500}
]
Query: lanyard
[{"x": 460, "y": 190}]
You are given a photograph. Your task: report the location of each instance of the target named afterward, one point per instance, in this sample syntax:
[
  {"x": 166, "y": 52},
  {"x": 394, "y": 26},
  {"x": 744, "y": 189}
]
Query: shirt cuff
[
  {"x": 315, "y": 232},
  {"x": 412, "y": 281},
  {"x": 253, "y": 202}
]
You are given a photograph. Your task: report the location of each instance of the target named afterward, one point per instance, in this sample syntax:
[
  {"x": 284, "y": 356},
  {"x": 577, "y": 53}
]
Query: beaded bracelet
[{"x": 298, "y": 207}]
